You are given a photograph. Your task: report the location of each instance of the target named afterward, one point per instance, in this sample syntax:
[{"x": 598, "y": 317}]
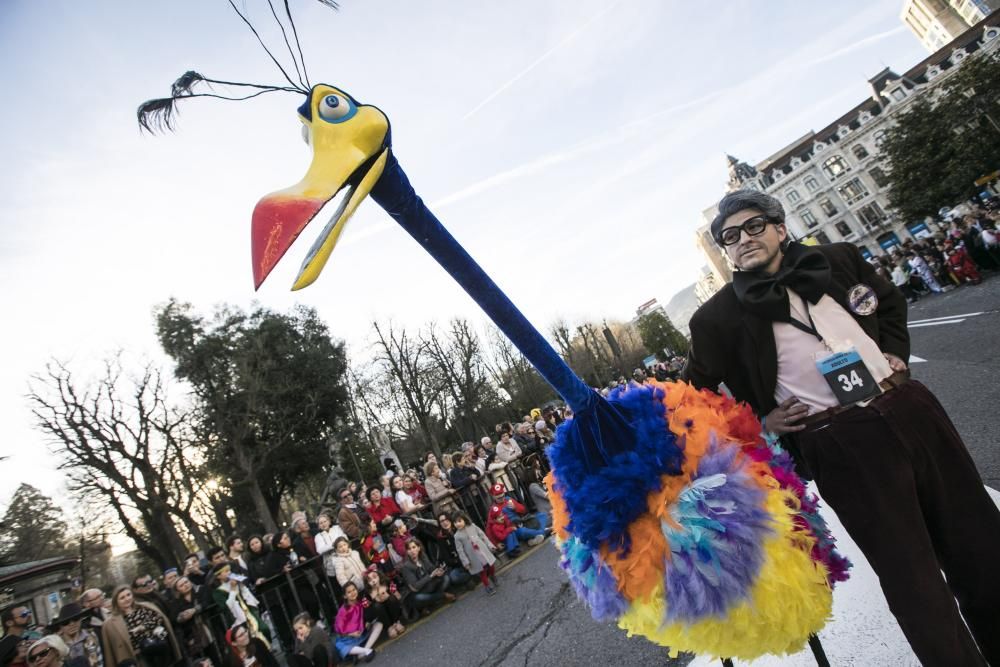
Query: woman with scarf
[
  {"x": 138, "y": 632},
  {"x": 185, "y": 614},
  {"x": 247, "y": 651}
]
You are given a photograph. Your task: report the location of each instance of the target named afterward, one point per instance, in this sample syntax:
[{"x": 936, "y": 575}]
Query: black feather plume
[
  {"x": 156, "y": 115},
  {"x": 182, "y": 86}
]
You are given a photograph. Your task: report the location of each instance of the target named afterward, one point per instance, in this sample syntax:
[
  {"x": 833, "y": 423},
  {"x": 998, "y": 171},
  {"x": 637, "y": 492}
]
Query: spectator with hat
[
  {"x": 170, "y": 577},
  {"x": 49, "y": 651},
  {"x": 83, "y": 645},
  {"x": 505, "y": 522}
]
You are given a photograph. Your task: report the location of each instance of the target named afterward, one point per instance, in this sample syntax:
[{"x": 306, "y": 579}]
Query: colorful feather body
[{"x": 723, "y": 551}]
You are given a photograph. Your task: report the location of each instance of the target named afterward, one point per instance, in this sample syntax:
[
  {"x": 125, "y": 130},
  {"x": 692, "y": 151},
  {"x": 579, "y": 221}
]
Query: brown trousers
[{"x": 901, "y": 481}]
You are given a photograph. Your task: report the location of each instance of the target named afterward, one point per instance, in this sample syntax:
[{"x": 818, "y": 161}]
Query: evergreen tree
[
  {"x": 32, "y": 528},
  {"x": 660, "y": 336}
]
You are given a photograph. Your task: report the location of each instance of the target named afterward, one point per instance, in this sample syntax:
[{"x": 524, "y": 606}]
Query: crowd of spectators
[
  {"x": 331, "y": 586},
  {"x": 946, "y": 259}
]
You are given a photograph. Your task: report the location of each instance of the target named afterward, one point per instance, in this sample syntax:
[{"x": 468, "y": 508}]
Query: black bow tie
[{"x": 803, "y": 269}]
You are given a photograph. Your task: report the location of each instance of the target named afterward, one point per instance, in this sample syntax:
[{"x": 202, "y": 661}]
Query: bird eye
[
  {"x": 305, "y": 134},
  {"x": 334, "y": 107}
]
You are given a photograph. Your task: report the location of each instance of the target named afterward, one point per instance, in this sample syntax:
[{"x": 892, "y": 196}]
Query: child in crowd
[
  {"x": 312, "y": 643},
  {"x": 400, "y": 534},
  {"x": 384, "y": 602},
  {"x": 353, "y": 637},
  {"x": 375, "y": 549},
  {"x": 476, "y": 551},
  {"x": 505, "y": 522},
  {"x": 347, "y": 565}
]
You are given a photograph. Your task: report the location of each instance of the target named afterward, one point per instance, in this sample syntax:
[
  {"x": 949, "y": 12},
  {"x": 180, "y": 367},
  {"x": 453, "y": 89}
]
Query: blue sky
[{"x": 571, "y": 146}]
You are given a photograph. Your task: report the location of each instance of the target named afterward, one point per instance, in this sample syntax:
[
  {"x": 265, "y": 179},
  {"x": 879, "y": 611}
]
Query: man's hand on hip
[
  {"x": 895, "y": 363},
  {"x": 783, "y": 419}
]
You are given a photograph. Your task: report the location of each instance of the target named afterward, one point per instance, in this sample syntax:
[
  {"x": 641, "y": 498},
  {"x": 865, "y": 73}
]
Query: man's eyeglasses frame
[{"x": 735, "y": 233}]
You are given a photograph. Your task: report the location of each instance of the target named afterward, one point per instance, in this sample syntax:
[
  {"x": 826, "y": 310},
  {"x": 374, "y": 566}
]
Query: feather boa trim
[{"x": 720, "y": 550}]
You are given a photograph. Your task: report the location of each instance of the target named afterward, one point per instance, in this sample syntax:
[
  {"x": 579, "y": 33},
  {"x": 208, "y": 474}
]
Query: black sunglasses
[
  {"x": 38, "y": 656},
  {"x": 754, "y": 226}
]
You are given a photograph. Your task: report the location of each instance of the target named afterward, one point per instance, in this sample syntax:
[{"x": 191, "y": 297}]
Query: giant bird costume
[{"x": 674, "y": 516}]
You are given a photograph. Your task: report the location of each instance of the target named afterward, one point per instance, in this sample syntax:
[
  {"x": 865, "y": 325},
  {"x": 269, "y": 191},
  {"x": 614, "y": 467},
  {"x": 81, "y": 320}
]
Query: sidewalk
[{"x": 862, "y": 632}]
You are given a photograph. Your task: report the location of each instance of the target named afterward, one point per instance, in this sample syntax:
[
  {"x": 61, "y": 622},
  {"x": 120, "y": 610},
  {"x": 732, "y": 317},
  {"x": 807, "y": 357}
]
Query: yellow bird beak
[{"x": 350, "y": 143}]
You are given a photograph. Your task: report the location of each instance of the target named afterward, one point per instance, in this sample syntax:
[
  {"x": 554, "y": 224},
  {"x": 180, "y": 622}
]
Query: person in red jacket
[
  {"x": 383, "y": 510},
  {"x": 961, "y": 264},
  {"x": 505, "y": 522}
]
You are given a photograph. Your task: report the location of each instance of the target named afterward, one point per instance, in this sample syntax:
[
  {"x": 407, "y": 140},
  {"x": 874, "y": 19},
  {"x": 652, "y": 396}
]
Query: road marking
[
  {"x": 946, "y": 317},
  {"x": 934, "y": 324},
  {"x": 914, "y": 359}
]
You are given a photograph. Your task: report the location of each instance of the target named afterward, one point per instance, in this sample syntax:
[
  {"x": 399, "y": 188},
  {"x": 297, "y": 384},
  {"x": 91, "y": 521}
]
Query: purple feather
[{"x": 718, "y": 553}]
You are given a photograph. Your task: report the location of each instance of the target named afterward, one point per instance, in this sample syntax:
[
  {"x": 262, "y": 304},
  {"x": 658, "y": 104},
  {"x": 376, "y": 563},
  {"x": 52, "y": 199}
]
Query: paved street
[{"x": 536, "y": 620}]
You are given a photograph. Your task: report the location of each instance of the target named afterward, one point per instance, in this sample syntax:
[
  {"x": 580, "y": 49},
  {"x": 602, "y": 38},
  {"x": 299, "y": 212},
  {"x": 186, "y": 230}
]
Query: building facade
[
  {"x": 937, "y": 22},
  {"x": 831, "y": 182}
]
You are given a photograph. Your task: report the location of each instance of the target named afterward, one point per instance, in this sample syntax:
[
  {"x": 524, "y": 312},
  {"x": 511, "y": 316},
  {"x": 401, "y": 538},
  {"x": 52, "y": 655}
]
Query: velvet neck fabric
[{"x": 803, "y": 269}]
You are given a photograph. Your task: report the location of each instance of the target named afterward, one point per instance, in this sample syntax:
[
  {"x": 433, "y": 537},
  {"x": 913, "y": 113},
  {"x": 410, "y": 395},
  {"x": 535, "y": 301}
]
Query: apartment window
[
  {"x": 822, "y": 238},
  {"x": 898, "y": 94},
  {"x": 859, "y": 151},
  {"x": 879, "y": 137},
  {"x": 871, "y": 214},
  {"x": 853, "y": 191},
  {"x": 808, "y": 218},
  {"x": 828, "y": 207},
  {"x": 844, "y": 229},
  {"x": 835, "y": 166},
  {"x": 878, "y": 176},
  {"x": 793, "y": 196},
  {"x": 811, "y": 184}
]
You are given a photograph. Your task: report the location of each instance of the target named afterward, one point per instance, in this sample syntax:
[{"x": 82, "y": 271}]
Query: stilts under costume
[{"x": 674, "y": 517}]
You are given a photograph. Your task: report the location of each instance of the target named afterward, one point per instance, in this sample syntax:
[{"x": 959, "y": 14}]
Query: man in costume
[
  {"x": 813, "y": 339},
  {"x": 673, "y": 516}
]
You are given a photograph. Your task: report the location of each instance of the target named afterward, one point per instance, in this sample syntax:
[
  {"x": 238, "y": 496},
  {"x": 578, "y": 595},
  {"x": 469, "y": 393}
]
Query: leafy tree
[
  {"x": 270, "y": 393},
  {"x": 945, "y": 140},
  {"x": 658, "y": 334},
  {"x": 32, "y": 528}
]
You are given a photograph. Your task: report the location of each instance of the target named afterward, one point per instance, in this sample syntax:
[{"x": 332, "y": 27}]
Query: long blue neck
[{"x": 394, "y": 193}]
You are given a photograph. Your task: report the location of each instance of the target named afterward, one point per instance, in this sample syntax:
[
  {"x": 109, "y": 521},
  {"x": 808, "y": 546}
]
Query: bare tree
[
  {"x": 119, "y": 441},
  {"x": 408, "y": 365},
  {"x": 459, "y": 358},
  {"x": 512, "y": 372}
]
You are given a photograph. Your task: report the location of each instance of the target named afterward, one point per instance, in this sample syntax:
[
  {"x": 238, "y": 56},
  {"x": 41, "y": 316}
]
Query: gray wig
[{"x": 741, "y": 200}]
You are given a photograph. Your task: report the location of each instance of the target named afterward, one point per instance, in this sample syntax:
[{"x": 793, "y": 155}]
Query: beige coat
[
  {"x": 438, "y": 490},
  {"x": 349, "y": 568},
  {"x": 117, "y": 645}
]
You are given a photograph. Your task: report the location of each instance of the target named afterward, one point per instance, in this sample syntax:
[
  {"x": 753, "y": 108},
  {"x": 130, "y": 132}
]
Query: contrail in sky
[
  {"x": 855, "y": 46},
  {"x": 538, "y": 61}
]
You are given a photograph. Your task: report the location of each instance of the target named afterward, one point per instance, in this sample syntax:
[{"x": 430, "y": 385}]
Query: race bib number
[{"x": 848, "y": 377}]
